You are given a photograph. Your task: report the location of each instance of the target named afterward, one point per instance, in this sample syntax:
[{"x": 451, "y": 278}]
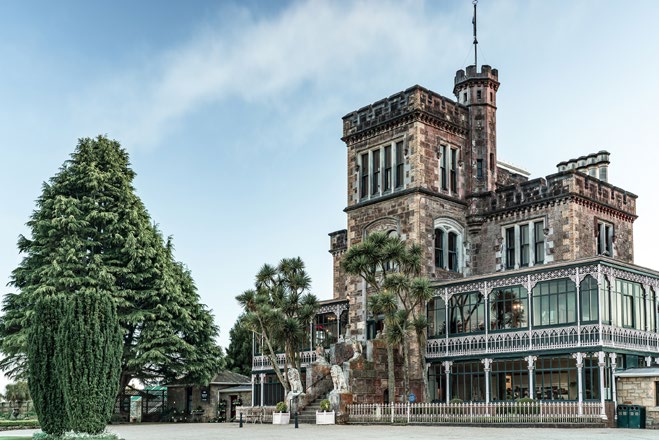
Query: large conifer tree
[
  {"x": 239, "y": 352},
  {"x": 90, "y": 231}
]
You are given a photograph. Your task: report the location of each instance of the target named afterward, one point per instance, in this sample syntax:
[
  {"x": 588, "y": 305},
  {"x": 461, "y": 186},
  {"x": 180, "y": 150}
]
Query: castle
[{"x": 537, "y": 294}]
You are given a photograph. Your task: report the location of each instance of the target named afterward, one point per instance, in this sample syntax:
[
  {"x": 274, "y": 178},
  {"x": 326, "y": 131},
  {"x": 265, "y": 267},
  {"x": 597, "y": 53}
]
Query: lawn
[{"x": 4, "y": 437}]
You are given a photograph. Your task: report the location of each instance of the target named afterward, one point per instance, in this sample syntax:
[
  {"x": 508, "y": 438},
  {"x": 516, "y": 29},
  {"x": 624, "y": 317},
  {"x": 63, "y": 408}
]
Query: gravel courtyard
[{"x": 199, "y": 431}]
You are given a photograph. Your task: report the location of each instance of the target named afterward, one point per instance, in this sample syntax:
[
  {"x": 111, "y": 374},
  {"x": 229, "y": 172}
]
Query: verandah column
[
  {"x": 487, "y": 363},
  {"x": 579, "y": 357},
  {"x": 530, "y": 360},
  {"x": 602, "y": 363},
  {"x": 614, "y": 357},
  {"x": 262, "y": 400},
  {"x": 447, "y": 371}
]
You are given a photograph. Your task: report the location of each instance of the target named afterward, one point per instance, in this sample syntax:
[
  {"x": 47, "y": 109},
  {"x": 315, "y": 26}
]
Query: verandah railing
[{"x": 506, "y": 413}]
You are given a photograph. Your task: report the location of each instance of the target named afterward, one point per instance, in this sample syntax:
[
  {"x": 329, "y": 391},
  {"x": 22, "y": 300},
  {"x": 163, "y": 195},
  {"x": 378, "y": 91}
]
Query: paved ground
[{"x": 203, "y": 431}]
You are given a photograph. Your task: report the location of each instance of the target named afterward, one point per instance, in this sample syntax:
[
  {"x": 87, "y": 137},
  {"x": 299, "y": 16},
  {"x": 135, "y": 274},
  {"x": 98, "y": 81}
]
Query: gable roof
[{"x": 227, "y": 377}]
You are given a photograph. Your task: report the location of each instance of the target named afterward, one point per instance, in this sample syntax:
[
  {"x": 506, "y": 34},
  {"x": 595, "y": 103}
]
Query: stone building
[{"x": 537, "y": 294}]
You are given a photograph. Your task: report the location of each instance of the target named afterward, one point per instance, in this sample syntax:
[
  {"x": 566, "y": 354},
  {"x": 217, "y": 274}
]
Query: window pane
[
  {"x": 524, "y": 245},
  {"x": 364, "y": 171},
  {"x": 387, "y": 168},
  {"x": 375, "y": 187},
  {"x": 400, "y": 163},
  {"x": 539, "y": 242}
]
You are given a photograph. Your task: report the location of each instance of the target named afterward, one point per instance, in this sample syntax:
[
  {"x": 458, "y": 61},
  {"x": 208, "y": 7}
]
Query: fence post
[
  {"x": 408, "y": 413},
  {"x": 392, "y": 413}
]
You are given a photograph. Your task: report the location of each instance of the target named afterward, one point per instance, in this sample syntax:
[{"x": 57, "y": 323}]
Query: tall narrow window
[
  {"x": 605, "y": 239},
  {"x": 539, "y": 242},
  {"x": 400, "y": 163},
  {"x": 452, "y": 251},
  {"x": 492, "y": 162},
  {"x": 448, "y": 242},
  {"x": 588, "y": 290},
  {"x": 442, "y": 167},
  {"x": 375, "y": 187},
  {"x": 387, "y": 168},
  {"x": 524, "y": 245},
  {"x": 364, "y": 170},
  {"x": 479, "y": 95},
  {"x": 510, "y": 248},
  {"x": 454, "y": 175},
  {"x": 439, "y": 248},
  {"x": 479, "y": 168}
]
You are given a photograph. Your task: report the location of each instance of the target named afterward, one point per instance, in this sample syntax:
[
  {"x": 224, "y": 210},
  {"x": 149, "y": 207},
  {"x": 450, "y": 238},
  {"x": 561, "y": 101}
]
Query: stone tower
[{"x": 478, "y": 91}]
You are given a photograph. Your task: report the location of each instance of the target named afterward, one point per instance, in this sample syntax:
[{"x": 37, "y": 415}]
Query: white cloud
[{"x": 264, "y": 60}]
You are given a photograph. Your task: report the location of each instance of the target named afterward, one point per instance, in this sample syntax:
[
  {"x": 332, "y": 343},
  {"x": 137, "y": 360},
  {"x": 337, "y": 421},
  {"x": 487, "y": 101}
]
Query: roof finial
[{"x": 475, "y": 2}]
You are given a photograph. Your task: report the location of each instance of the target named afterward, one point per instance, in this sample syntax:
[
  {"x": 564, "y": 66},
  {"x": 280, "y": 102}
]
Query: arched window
[{"x": 448, "y": 245}]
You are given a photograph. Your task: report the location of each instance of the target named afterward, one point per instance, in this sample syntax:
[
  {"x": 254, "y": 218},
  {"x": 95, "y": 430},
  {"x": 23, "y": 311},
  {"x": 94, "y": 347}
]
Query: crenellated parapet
[
  {"x": 585, "y": 189},
  {"x": 412, "y": 104},
  {"x": 338, "y": 242}
]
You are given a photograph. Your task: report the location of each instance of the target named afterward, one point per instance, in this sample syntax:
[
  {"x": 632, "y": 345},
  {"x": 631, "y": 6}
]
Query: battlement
[
  {"x": 557, "y": 186},
  {"x": 338, "y": 241},
  {"x": 487, "y": 72},
  {"x": 398, "y": 105}
]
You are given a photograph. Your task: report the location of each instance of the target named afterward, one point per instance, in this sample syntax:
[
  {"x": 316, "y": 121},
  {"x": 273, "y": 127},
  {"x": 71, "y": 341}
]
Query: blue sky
[{"x": 232, "y": 111}]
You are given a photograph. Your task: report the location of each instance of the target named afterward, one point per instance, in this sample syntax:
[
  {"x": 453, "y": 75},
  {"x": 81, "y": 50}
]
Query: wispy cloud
[{"x": 261, "y": 60}]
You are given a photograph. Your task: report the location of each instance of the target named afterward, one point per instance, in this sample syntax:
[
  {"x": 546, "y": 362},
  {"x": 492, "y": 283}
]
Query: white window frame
[
  {"x": 607, "y": 230},
  {"x": 448, "y": 225},
  {"x": 518, "y": 241},
  {"x": 369, "y": 194}
]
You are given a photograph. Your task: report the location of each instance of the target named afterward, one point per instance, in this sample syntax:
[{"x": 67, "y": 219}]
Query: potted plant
[
  {"x": 325, "y": 416},
  {"x": 280, "y": 416}
]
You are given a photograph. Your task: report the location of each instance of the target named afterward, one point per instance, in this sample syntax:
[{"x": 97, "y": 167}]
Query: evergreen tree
[
  {"x": 91, "y": 231},
  {"x": 239, "y": 353},
  {"x": 88, "y": 358},
  {"x": 45, "y": 384}
]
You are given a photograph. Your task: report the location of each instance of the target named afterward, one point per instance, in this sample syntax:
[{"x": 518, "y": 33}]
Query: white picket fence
[{"x": 505, "y": 413}]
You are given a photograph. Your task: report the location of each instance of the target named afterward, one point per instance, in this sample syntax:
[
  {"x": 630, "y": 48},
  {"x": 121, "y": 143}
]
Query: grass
[{"x": 4, "y": 437}]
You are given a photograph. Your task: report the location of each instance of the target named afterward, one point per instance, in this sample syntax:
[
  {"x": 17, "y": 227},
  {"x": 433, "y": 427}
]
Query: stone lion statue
[{"x": 338, "y": 379}]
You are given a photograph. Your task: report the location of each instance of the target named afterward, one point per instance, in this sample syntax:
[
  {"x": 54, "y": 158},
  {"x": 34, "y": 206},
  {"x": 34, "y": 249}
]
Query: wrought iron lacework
[{"x": 630, "y": 276}]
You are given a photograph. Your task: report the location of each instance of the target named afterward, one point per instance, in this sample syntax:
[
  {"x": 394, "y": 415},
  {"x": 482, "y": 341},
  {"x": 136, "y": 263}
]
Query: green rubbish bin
[
  {"x": 623, "y": 416},
  {"x": 636, "y": 416}
]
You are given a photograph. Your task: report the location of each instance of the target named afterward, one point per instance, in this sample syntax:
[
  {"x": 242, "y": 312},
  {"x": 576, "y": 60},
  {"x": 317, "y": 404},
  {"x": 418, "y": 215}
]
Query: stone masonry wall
[{"x": 640, "y": 391}]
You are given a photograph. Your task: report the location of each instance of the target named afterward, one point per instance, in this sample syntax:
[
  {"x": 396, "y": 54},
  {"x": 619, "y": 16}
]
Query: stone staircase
[{"x": 308, "y": 414}]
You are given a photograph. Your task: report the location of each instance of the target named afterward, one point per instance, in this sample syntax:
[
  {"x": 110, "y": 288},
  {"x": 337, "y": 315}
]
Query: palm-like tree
[
  {"x": 391, "y": 267},
  {"x": 280, "y": 309}
]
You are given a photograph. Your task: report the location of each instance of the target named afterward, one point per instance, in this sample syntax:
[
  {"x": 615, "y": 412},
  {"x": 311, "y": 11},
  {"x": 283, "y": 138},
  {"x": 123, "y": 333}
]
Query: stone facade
[
  {"x": 641, "y": 389},
  {"x": 422, "y": 166},
  {"x": 439, "y": 137}
]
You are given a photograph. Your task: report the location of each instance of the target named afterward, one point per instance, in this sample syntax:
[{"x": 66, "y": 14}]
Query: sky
[{"x": 231, "y": 111}]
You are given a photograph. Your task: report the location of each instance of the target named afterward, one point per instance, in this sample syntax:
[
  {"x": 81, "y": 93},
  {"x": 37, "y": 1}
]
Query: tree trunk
[
  {"x": 391, "y": 379},
  {"x": 283, "y": 379},
  {"x": 406, "y": 366},
  {"x": 420, "y": 337}
]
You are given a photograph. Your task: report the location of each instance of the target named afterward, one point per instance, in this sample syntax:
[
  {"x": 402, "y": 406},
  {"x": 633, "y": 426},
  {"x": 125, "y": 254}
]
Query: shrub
[
  {"x": 45, "y": 385},
  {"x": 281, "y": 407},
  {"x": 325, "y": 405},
  {"x": 89, "y": 360}
]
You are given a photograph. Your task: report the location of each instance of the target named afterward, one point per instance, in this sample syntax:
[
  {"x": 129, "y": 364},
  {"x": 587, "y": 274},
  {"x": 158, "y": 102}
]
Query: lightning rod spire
[{"x": 475, "y": 2}]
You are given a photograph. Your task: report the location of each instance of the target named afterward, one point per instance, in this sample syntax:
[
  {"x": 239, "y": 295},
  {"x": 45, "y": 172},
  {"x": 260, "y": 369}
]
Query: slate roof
[{"x": 230, "y": 378}]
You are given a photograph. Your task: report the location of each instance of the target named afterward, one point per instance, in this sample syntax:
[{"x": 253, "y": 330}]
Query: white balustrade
[{"x": 505, "y": 413}]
